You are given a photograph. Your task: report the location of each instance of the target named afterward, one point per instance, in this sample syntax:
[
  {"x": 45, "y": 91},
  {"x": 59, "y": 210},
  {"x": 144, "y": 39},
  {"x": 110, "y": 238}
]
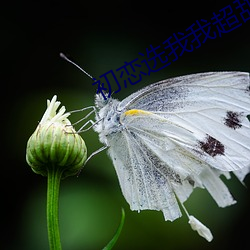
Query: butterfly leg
[
  {"x": 94, "y": 153},
  {"x": 82, "y": 128},
  {"x": 86, "y": 116}
]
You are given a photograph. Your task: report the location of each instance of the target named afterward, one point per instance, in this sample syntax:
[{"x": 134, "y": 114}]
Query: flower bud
[{"x": 55, "y": 144}]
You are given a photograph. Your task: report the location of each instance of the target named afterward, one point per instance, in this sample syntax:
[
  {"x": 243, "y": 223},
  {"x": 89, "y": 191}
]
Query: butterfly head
[{"x": 101, "y": 100}]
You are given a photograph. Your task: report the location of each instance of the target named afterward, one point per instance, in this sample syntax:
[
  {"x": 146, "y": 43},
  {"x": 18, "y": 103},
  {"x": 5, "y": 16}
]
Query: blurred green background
[{"x": 100, "y": 36}]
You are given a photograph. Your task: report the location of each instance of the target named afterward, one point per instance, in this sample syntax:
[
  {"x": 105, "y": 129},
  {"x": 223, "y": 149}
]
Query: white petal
[
  {"x": 200, "y": 228},
  {"x": 51, "y": 114},
  {"x": 50, "y": 109}
]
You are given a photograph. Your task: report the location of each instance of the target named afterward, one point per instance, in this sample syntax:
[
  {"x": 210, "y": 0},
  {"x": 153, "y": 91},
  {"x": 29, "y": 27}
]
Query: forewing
[
  {"x": 212, "y": 106},
  {"x": 175, "y": 93}
]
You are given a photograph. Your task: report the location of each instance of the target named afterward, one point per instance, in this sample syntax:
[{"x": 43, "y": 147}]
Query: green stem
[{"x": 54, "y": 177}]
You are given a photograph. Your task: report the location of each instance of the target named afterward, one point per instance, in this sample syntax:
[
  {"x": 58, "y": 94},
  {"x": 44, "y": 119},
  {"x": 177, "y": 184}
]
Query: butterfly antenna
[{"x": 68, "y": 60}]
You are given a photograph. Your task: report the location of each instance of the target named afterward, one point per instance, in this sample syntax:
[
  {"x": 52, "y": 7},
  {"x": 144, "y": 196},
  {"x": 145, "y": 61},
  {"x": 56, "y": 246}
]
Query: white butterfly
[{"x": 178, "y": 134}]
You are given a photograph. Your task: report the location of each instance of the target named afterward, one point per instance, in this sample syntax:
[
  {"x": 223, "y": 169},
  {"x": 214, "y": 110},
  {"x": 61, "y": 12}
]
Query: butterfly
[{"x": 175, "y": 135}]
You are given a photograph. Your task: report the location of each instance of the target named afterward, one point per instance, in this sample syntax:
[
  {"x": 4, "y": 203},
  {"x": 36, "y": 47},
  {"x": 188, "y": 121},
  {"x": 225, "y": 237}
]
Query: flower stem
[{"x": 54, "y": 177}]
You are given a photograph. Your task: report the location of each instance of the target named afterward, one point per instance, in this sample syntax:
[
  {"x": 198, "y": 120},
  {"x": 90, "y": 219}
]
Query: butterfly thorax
[{"x": 108, "y": 120}]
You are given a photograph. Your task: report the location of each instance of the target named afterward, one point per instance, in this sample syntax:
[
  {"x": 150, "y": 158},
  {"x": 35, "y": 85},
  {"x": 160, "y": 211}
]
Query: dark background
[{"x": 100, "y": 36}]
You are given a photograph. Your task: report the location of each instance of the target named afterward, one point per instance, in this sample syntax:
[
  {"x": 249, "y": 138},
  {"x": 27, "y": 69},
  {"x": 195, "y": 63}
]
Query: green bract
[{"x": 55, "y": 143}]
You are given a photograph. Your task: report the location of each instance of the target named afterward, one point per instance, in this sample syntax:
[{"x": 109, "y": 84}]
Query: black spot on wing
[
  {"x": 233, "y": 119},
  {"x": 212, "y": 146},
  {"x": 191, "y": 181}
]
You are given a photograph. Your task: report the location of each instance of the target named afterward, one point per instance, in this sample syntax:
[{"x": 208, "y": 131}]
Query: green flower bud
[{"x": 55, "y": 144}]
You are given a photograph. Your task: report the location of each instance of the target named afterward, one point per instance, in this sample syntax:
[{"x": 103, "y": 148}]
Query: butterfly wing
[
  {"x": 212, "y": 106},
  {"x": 152, "y": 169},
  {"x": 169, "y": 163},
  {"x": 183, "y": 133},
  {"x": 179, "y": 134},
  {"x": 141, "y": 184},
  {"x": 173, "y": 93}
]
